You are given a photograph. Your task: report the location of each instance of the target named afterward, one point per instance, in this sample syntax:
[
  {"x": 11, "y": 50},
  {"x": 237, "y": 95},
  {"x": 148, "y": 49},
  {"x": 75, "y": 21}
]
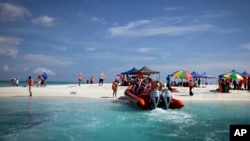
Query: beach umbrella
[
  {"x": 45, "y": 75},
  {"x": 232, "y": 71},
  {"x": 233, "y": 75},
  {"x": 182, "y": 74}
]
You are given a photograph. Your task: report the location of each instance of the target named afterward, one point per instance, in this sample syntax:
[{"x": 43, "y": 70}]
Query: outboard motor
[
  {"x": 166, "y": 96},
  {"x": 155, "y": 98}
]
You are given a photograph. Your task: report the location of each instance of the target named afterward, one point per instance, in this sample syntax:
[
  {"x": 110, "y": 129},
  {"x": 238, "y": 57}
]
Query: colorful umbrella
[
  {"x": 45, "y": 75},
  {"x": 233, "y": 75},
  {"x": 182, "y": 74}
]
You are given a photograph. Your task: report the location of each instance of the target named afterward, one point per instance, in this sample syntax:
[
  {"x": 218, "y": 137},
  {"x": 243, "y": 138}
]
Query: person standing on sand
[
  {"x": 79, "y": 79},
  {"x": 17, "y": 82},
  {"x": 114, "y": 88},
  {"x": 191, "y": 85},
  {"x": 102, "y": 76},
  {"x": 199, "y": 82},
  {"x": 168, "y": 80},
  {"x": 30, "y": 84},
  {"x": 91, "y": 79}
]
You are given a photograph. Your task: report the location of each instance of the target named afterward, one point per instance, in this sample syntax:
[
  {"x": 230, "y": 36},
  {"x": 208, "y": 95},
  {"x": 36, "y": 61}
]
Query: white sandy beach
[{"x": 105, "y": 91}]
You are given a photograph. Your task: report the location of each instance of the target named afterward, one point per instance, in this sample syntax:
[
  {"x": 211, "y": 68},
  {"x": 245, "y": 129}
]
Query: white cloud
[
  {"x": 45, "y": 21},
  {"x": 127, "y": 30},
  {"x": 246, "y": 46},
  {"x": 96, "y": 19},
  {"x": 12, "y": 12},
  {"x": 90, "y": 49},
  {"x": 172, "y": 8},
  {"x": 216, "y": 15},
  {"x": 61, "y": 48},
  {"x": 26, "y": 69},
  {"x": 43, "y": 59},
  {"x": 7, "y": 68},
  {"x": 140, "y": 58},
  {"x": 143, "y": 50},
  {"x": 164, "y": 55},
  {"x": 8, "y": 46},
  {"x": 152, "y": 28},
  {"x": 41, "y": 70}
]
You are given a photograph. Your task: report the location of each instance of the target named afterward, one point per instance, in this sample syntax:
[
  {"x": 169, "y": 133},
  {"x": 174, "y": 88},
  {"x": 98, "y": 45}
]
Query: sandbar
[{"x": 207, "y": 93}]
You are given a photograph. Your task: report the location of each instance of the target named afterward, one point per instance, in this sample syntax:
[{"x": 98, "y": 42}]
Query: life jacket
[
  {"x": 114, "y": 85},
  {"x": 30, "y": 82}
]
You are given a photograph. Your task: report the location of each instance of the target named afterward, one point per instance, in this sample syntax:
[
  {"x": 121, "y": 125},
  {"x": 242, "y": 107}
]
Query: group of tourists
[
  {"x": 232, "y": 84},
  {"x": 155, "y": 89},
  {"x": 91, "y": 79},
  {"x": 14, "y": 82},
  {"x": 41, "y": 82},
  {"x": 30, "y": 82}
]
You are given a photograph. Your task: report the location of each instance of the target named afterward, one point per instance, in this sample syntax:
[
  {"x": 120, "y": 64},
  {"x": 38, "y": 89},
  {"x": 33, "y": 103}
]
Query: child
[{"x": 114, "y": 88}]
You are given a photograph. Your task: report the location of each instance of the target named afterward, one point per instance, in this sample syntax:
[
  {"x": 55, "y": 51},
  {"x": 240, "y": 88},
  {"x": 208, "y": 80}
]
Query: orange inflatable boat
[{"x": 143, "y": 100}]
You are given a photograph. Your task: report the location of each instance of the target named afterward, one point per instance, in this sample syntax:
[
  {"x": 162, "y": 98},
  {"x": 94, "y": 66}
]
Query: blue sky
[{"x": 68, "y": 37}]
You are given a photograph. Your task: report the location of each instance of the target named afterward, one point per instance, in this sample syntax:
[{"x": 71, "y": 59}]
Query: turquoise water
[{"x": 75, "y": 119}]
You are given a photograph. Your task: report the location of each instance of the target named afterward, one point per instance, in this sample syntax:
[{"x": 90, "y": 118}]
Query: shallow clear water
[{"x": 61, "y": 118}]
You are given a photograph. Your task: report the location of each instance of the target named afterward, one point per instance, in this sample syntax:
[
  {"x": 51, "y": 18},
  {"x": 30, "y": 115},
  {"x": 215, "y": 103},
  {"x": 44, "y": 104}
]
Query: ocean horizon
[{"x": 7, "y": 83}]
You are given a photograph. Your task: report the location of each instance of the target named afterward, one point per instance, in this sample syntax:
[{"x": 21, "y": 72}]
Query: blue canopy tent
[
  {"x": 125, "y": 76},
  {"x": 143, "y": 71},
  {"x": 205, "y": 75},
  {"x": 245, "y": 74},
  {"x": 131, "y": 71},
  {"x": 196, "y": 75}
]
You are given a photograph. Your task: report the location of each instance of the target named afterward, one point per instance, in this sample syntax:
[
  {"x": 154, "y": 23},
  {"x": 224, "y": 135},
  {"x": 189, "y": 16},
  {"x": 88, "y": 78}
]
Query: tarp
[
  {"x": 131, "y": 71},
  {"x": 245, "y": 74},
  {"x": 196, "y": 75},
  {"x": 205, "y": 75},
  {"x": 144, "y": 70}
]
